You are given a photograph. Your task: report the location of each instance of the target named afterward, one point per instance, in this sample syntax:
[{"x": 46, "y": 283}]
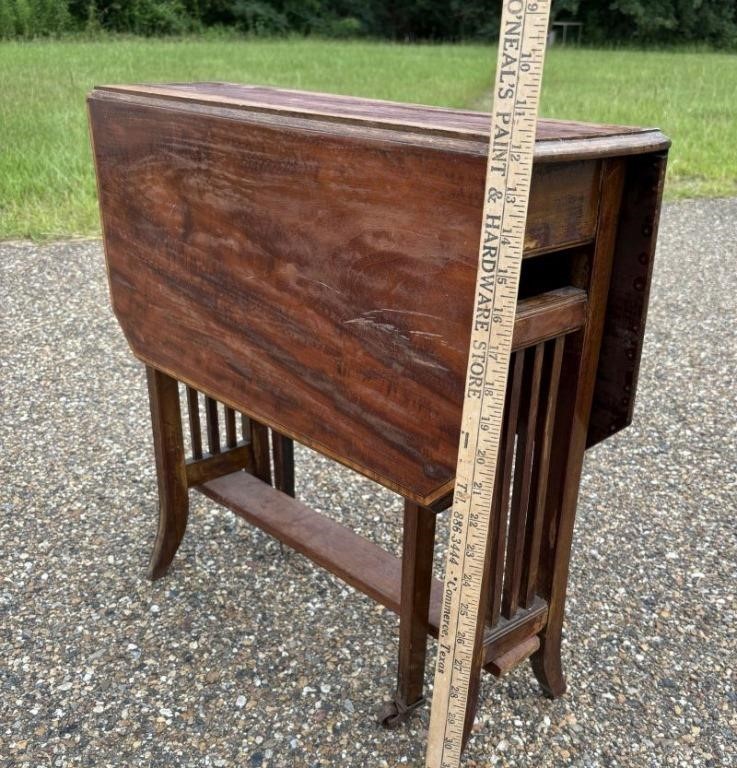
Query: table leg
[
  {"x": 577, "y": 381},
  {"x": 166, "y": 421},
  {"x": 417, "y": 559}
]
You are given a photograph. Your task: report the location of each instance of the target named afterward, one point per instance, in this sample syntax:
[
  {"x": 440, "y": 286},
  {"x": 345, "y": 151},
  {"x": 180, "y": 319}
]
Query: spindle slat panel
[
  {"x": 501, "y": 493},
  {"x": 527, "y": 425},
  {"x": 543, "y": 447}
]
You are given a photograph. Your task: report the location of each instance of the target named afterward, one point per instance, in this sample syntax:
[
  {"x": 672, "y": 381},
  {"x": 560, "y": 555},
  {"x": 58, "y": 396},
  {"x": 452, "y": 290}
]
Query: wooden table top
[
  {"x": 554, "y": 137},
  {"x": 310, "y": 259}
]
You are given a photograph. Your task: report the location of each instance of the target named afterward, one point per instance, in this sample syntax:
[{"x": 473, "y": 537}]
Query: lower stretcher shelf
[{"x": 356, "y": 560}]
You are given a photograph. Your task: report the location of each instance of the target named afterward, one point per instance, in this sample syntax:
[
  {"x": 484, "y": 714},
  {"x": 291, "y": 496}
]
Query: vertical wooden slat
[
  {"x": 502, "y": 487},
  {"x": 522, "y": 483},
  {"x": 231, "y": 439},
  {"x": 213, "y": 427},
  {"x": 195, "y": 431},
  {"x": 543, "y": 446},
  {"x": 245, "y": 428},
  {"x": 260, "y": 442},
  {"x": 283, "y": 450}
]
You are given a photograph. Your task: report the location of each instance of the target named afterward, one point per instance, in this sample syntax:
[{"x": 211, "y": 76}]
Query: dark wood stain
[
  {"x": 313, "y": 281},
  {"x": 308, "y": 261}
]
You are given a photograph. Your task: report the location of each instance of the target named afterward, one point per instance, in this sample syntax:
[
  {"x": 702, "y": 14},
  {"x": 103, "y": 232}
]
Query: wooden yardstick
[{"x": 522, "y": 43}]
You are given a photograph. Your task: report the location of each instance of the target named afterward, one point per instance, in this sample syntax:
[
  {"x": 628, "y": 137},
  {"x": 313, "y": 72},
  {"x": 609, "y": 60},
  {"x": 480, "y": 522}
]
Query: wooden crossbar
[{"x": 354, "y": 559}]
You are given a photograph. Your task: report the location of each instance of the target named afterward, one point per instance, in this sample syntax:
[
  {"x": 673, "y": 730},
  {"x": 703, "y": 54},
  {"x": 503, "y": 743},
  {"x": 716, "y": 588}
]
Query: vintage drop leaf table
[{"x": 305, "y": 264}]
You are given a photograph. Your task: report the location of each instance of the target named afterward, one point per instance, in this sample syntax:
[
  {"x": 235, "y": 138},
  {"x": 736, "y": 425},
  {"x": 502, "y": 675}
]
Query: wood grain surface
[
  {"x": 554, "y": 137},
  {"x": 310, "y": 261}
]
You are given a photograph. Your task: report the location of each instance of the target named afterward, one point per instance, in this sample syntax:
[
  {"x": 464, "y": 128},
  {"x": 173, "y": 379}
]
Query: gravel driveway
[{"x": 247, "y": 656}]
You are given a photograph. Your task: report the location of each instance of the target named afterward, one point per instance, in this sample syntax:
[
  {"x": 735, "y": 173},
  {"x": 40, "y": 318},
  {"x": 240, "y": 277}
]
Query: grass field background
[{"x": 46, "y": 180}]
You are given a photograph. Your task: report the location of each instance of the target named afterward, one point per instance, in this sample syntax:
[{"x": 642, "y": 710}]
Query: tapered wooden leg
[
  {"x": 166, "y": 421},
  {"x": 555, "y": 550},
  {"x": 557, "y": 529},
  {"x": 417, "y": 557},
  {"x": 578, "y": 376},
  {"x": 547, "y": 664}
]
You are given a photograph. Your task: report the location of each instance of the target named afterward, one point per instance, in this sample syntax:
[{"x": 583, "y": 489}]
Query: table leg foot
[
  {"x": 548, "y": 668},
  {"x": 172, "y": 524}
]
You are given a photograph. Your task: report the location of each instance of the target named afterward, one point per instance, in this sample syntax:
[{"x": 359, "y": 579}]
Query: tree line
[{"x": 640, "y": 22}]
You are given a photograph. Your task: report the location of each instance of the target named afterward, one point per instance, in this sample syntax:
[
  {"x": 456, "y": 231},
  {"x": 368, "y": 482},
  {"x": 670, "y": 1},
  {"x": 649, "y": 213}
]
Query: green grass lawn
[{"x": 46, "y": 180}]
